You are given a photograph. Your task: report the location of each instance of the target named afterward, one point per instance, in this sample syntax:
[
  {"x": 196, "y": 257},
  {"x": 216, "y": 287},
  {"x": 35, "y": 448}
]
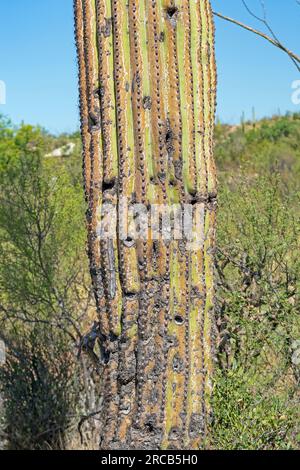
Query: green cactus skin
[{"x": 147, "y": 80}]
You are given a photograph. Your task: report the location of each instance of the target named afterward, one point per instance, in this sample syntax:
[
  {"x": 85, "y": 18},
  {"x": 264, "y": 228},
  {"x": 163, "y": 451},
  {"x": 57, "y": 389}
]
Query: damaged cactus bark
[{"x": 147, "y": 82}]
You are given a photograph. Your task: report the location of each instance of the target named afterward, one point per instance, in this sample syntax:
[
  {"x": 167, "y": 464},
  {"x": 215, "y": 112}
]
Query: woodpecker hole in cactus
[
  {"x": 172, "y": 12},
  {"x": 179, "y": 320},
  {"x": 108, "y": 185}
]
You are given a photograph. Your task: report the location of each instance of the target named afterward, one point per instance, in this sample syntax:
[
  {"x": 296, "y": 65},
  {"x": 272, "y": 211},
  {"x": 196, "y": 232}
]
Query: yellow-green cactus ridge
[{"x": 147, "y": 80}]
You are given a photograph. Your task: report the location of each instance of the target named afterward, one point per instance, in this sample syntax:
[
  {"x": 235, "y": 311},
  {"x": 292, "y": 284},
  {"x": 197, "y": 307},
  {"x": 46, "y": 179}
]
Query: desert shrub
[
  {"x": 42, "y": 396},
  {"x": 230, "y": 147},
  {"x": 45, "y": 296},
  {"x": 246, "y": 419},
  {"x": 280, "y": 129},
  {"x": 258, "y": 276}
]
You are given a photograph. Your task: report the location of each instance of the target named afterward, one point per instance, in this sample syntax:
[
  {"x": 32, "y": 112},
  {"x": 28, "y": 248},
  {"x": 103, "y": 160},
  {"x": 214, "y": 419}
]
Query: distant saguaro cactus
[{"x": 147, "y": 100}]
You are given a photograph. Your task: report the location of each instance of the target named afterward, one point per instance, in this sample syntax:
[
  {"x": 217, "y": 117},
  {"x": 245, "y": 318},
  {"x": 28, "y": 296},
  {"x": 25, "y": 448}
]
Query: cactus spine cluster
[{"x": 147, "y": 100}]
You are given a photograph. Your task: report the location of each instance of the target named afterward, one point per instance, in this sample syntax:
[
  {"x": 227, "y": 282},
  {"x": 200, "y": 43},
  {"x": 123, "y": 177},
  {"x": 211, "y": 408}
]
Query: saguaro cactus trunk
[{"x": 147, "y": 100}]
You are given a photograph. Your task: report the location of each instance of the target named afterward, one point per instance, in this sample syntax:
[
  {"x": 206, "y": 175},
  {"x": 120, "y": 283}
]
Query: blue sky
[{"x": 38, "y": 62}]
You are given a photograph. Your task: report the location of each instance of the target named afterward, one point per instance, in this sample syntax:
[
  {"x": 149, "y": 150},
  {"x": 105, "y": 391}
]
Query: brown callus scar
[{"x": 147, "y": 83}]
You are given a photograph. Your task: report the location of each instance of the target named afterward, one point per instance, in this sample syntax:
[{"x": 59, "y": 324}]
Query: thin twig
[
  {"x": 265, "y": 22},
  {"x": 295, "y": 58},
  {"x": 83, "y": 420}
]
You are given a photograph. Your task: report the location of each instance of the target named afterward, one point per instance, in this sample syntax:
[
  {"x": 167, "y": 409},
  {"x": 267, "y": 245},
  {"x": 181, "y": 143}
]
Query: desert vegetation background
[{"x": 49, "y": 389}]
